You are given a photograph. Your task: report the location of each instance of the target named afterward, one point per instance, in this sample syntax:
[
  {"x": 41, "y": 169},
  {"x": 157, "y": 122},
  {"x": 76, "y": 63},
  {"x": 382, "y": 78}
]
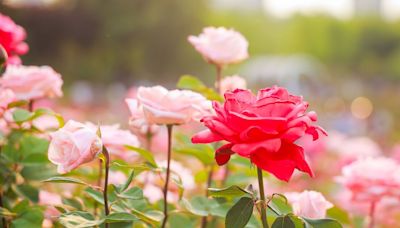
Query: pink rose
[
  {"x": 12, "y": 38},
  {"x": 32, "y": 82},
  {"x": 138, "y": 122},
  {"x": 73, "y": 145},
  {"x": 161, "y": 106},
  {"x": 263, "y": 128},
  {"x": 309, "y": 204},
  {"x": 231, "y": 83},
  {"x": 221, "y": 46},
  {"x": 50, "y": 200},
  {"x": 370, "y": 179},
  {"x": 115, "y": 139},
  {"x": 7, "y": 96}
]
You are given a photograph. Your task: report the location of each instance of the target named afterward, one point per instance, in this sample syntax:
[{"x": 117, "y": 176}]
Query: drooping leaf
[
  {"x": 229, "y": 192},
  {"x": 322, "y": 223},
  {"x": 239, "y": 215},
  {"x": 144, "y": 153},
  {"x": 283, "y": 222}
]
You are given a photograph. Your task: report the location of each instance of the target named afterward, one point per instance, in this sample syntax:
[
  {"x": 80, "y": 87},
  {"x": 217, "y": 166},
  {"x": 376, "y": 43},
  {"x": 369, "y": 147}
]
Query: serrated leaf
[
  {"x": 239, "y": 215},
  {"x": 229, "y": 192},
  {"x": 322, "y": 223},
  {"x": 144, "y": 153},
  {"x": 283, "y": 222},
  {"x": 120, "y": 217}
]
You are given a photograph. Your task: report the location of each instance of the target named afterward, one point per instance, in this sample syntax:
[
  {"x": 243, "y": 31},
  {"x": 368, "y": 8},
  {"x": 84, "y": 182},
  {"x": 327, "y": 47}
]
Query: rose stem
[
  {"x": 204, "y": 220},
  {"x": 99, "y": 178},
  {"x": 169, "y": 127},
  {"x": 105, "y": 196},
  {"x": 371, "y": 215},
  {"x": 262, "y": 196},
  {"x": 219, "y": 78},
  {"x": 30, "y": 105}
]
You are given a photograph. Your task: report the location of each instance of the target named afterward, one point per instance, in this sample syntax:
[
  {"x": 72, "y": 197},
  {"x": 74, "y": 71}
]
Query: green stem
[
  {"x": 169, "y": 127},
  {"x": 204, "y": 220},
  {"x": 105, "y": 195},
  {"x": 262, "y": 197}
]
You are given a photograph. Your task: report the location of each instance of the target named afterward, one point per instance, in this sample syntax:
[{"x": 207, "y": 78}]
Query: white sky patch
[{"x": 391, "y": 9}]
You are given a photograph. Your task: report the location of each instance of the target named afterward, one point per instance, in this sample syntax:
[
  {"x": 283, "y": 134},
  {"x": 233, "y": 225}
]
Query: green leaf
[
  {"x": 35, "y": 159},
  {"x": 134, "y": 193},
  {"x": 69, "y": 180},
  {"x": 21, "y": 206},
  {"x": 338, "y": 214},
  {"x": 17, "y": 104},
  {"x": 79, "y": 219},
  {"x": 21, "y": 115},
  {"x": 201, "y": 206},
  {"x": 283, "y": 222},
  {"x": 180, "y": 220},
  {"x": 32, "y": 218},
  {"x": 144, "y": 153},
  {"x": 203, "y": 152},
  {"x": 73, "y": 203},
  {"x": 280, "y": 206},
  {"x": 137, "y": 168},
  {"x": 96, "y": 195},
  {"x": 120, "y": 217},
  {"x": 128, "y": 181},
  {"x": 229, "y": 192},
  {"x": 322, "y": 223},
  {"x": 153, "y": 220},
  {"x": 6, "y": 213},
  {"x": 28, "y": 191},
  {"x": 192, "y": 83},
  {"x": 239, "y": 215}
]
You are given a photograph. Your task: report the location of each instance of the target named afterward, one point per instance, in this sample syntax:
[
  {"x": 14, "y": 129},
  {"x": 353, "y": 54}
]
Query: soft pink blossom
[
  {"x": 221, "y": 46},
  {"x": 117, "y": 178},
  {"x": 370, "y": 179},
  {"x": 162, "y": 106},
  {"x": 138, "y": 122},
  {"x": 115, "y": 140},
  {"x": 7, "y": 96},
  {"x": 50, "y": 200},
  {"x": 309, "y": 204},
  {"x": 32, "y": 82},
  {"x": 73, "y": 145},
  {"x": 12, "y": 38},
  {"x": 231, "y": 83}
]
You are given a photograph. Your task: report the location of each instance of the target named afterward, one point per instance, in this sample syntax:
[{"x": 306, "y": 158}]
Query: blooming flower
[
  {"x": 263, "y": 128},
  {"x": 231, "y": 83},
  {"x": 309, "y": 204},
  {"x": 32, "y": 82},
  {"x": 12, "y": 38},
  {"x": 73, "y": 145},
  {"x": 161, "y": 106},
  {"x": 7, "y": 96},
  {"x": 221, "y": 46},
  {"x": 115, "y": 139},
  {"x": 370, "y": 179},
  {"x": 138, "y": 122}
]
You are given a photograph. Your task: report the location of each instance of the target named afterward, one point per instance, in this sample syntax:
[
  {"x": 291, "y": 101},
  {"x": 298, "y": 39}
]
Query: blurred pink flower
[
  {"x": 117, "y": 178},
  {"x": 370, "y": 179},
  {"x": 153, "y": 183},
  {"x": 7, "y": 96},
  {"x": 231, "y": 83},
  {"x": 46, "y": 123},
  {"x": 221, "y": 46},
  {"x": 115, "y": 139},
  {"x": 73, "y": 145},
  {"x": 12, "y": 38},
  {"x": 32, "y": 82},
  {"x": 309, "y": 204},
  {"x": 161, "y": 106},
  {"x": 50, "y": 200}
]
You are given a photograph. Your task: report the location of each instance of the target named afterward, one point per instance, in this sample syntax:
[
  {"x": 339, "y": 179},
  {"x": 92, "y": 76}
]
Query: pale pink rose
[
  {"x": 73, "y": 145},
  {"x": 117, "y": 178},
  {"x": 32, "y": 82},
  {"x": 115, "y": 139},
  {"x": 396, "y": 152},
  {"x": 221, "y": 46},
  {"x": 7, "y": 96},
  {"x": 138, "y": 122},
  {"x": 370, "y": 179},
  {"x": 154, "y": 182},
  {"x": 231, "y": 83},
  {"x": 309, "y": 204},
  {"x": 161, "y": 106},
  {"x": 50, "y": 200},
  {"x": 46, "y": 123}
]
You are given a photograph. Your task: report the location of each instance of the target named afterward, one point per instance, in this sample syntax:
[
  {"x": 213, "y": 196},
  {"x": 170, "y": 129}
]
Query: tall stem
[
  {"x": 218, "y": 80},
  {"x": 169, "y": 127},
  {"x": 99, "y": 178},
  {"x": 372, "y": 215},
  {"x": 204, "y": 220},
  {"x": 105, "y": 196},
  {"x": 262, "y": 197},
  {"x": 30, "y": 105}
]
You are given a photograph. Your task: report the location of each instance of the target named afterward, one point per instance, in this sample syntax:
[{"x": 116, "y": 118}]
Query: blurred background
[{"x": 342, "y": 55}]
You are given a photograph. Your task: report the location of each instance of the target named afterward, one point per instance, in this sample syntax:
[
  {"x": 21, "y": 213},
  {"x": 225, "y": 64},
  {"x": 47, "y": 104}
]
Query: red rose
[{"x": 263, "y": 128}]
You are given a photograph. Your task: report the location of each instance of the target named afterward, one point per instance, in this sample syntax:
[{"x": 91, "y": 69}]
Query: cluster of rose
[{"x": 260, "y": 131}]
